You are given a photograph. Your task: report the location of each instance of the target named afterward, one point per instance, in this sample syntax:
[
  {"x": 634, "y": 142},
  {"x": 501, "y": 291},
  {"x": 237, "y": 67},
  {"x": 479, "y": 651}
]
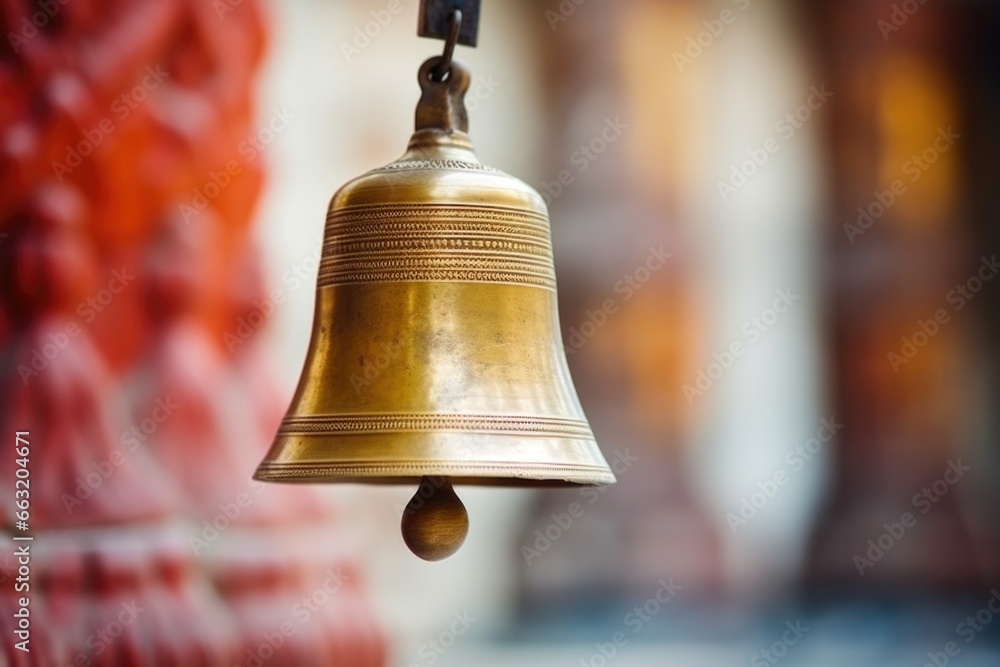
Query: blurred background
[{"x": 775, "y": 232}]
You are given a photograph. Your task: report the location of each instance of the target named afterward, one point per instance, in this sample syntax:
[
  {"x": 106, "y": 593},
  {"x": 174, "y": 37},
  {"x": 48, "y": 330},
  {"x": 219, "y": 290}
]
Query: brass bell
[{"x": 436, "y": 355}]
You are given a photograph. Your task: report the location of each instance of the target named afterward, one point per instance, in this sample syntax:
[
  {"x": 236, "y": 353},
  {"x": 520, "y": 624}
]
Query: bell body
[{"x": 436, "y": 348}]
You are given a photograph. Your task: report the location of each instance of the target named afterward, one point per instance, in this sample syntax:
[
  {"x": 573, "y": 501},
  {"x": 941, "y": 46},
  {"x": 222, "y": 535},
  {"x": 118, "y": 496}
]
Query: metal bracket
[{"x": 435, "y": 20}]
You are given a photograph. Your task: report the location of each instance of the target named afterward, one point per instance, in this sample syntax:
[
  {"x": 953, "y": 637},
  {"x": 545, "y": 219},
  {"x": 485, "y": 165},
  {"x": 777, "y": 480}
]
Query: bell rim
[{"x": 481, "y": 473}]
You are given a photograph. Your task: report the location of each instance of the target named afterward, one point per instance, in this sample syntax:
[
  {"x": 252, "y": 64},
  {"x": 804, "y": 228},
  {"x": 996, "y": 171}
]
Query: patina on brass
[{"x": 435, "y": 349}]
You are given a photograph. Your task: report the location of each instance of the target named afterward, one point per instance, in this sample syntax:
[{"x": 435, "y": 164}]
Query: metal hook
[{"x": 455, "y": 26}]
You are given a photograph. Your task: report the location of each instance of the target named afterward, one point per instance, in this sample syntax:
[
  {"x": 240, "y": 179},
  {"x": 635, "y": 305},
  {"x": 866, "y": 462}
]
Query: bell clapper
[{"x": 435, "y": 522}]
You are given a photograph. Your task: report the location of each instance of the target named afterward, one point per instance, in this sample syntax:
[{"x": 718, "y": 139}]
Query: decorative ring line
[{"x": 360, "y": 424}]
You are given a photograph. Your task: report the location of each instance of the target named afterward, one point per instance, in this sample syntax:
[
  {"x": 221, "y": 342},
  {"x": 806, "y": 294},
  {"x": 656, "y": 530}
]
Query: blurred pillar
[
  {"x": 616, "y": 185},
  {"x": 908, "y": 287}
]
